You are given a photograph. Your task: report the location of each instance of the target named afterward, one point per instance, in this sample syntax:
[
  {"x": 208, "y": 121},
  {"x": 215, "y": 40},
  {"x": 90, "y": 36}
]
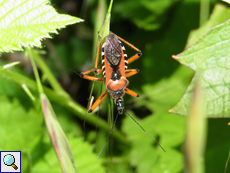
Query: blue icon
[{"x": 9, "y": 160}]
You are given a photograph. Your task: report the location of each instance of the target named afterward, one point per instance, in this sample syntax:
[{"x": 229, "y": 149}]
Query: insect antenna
[
  {"x": 108, "y": 135},
  {"x": 144, "y": 129}
]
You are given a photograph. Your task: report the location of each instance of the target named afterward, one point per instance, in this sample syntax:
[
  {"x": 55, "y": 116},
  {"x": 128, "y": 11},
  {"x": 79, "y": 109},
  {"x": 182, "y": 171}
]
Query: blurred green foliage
[{"x": 160, "y": 29}]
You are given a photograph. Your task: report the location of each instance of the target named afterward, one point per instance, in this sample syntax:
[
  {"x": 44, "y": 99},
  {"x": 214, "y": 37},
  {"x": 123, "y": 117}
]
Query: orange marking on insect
[
  {"x": 117, "y": 84},
  {"x": 108, "y": 71},
  {"x": 122, "y": 64},
  {"x": 114, "y": 68}
]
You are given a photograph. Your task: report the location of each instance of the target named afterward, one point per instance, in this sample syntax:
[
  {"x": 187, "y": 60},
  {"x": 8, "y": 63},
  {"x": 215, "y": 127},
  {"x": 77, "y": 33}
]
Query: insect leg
[
  {"x": 130, "y": 92},
  {"x": 93, "y": 78},
  {"x": 137, "y": 55},
  {"x": 131, "y": 72},
  {"x": 97, "y": 102},
  {"x": 89, "y": 71}
]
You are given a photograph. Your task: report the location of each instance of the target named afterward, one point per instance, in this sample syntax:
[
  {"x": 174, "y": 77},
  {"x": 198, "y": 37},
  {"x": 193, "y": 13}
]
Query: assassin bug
[{"x": 114, "y": 68}]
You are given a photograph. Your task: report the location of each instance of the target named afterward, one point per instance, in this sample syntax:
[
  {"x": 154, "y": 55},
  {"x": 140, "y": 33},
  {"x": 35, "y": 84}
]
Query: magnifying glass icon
[{"x": 9, "y": 160}]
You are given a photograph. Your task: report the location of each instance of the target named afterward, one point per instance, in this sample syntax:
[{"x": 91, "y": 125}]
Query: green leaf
[
  {"x": 48, "y": 163},
  {"x": 25, "y": 23},
  {"x": 20, "y": 129},
  {"x": 61, "y": 99},
  {"x": 159, "y": 98},
  {"x": 8, "y": 87},
  {"x": 18, "y": 125},
  {"x": 86, "y": 160},
  {"x": 145, "y": 154},
  {"x": 169, "y": 130},
  {"x": 210, "y": 59},
  {"x": 105, "y": 28},
  {"x": 152, "y": 14},
  {"x": 171, "y": 161},
  {"x": 219, "y": 15}
]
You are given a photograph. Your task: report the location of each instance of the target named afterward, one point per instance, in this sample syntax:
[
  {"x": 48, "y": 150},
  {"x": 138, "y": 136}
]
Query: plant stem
[
  {"x": 204, "y": 11},
  {"x": 62, "y": 99},
  {"x": 31, "y": 56},
  {"x": 51, "y": 79},
  {"x": 196, "y": 134}
]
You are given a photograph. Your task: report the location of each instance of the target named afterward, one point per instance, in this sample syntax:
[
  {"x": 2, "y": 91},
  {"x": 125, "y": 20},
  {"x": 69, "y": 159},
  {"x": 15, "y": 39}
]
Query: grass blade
[{"x": 57, "y": 137}]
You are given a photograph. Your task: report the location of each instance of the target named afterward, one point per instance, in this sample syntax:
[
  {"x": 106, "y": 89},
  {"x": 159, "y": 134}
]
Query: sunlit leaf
[
  {"x": 226, "y": 1},
  {"x": 26, "y": 22},
  {"x": 210, "y": 59}
]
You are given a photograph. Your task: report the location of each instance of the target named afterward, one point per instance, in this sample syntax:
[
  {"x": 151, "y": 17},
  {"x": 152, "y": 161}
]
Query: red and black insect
[{"x": 114, "y": 69}]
